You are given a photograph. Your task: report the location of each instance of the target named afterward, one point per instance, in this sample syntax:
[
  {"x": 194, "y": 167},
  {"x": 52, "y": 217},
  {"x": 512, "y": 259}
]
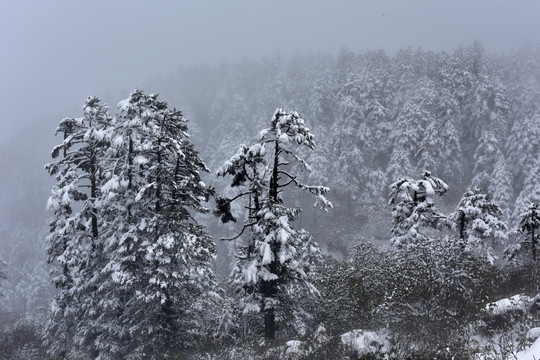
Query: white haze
[{"x": 55, "y": 53}]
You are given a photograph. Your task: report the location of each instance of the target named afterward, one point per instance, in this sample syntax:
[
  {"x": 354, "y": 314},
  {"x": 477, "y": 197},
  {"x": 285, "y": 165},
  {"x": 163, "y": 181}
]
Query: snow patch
[
  {"x": 366, "y": 342},
  {"x": 515, "y": 303},
  {"x": 533, "y": 333},
  {"x": 532, "y": 353},
  {"x": 266, "y": 254},
  {"x": 294, "y": 349}
]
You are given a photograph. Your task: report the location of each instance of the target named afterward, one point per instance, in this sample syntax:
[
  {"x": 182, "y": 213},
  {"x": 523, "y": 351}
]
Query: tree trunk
[
  {"x": 533, "y": 241},
  {"x": 462, "y": 227},
  {"x": 93, "y": 196},
  {"x": 269, "y": 288},
  {"x": 130, "y": 173},
  {"x": 176, "y": 173},
  {"x": 130, "y": 163},
  {"x": 269, "y": 324},
  {"x": 158, "y": 180},
  {"x": 533, "y": 223},
  {"x": 275, "y": 176}
]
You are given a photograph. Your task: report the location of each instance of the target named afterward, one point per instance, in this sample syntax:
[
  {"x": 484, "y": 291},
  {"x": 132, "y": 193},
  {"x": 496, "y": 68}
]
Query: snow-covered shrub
[
  {"x": 353, "y": 288},
  {"x": 367, "y": 342},
  {"x": 21, "y": 337},
  {"x": 533, "y": 334},
  {"x": 517, "y": 303},
  {"x": 520, "y": 275},
  {"x": 434, "y": 290},
  {"x": 507, "y": 327}
]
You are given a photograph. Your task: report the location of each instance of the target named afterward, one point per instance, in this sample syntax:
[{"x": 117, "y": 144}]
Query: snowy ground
[{"x": 532, "y": 353}]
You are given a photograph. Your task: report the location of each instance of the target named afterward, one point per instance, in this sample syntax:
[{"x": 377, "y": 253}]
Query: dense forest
[{"x": 171, "y": 238}]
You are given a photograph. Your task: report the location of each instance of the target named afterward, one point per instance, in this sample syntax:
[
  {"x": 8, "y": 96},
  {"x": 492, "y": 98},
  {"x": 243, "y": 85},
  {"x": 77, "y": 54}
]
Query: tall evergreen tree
[
  {"x": 74, "y": 243},
  {"x": 487, "y": 154},
  {"x": 352, "y": 137},
  {"x": 405, "y": 137},
  {"x": 530, "y": 192},
  {"x": 501, "y": 187},
  {"x": 523, "y": 145},
  {"x": 277, "y": 257},
  {"x": 2, "y": 276},
  {"x": 158, "y": 278},
  {"x": 529, "y": 223},
  {"x": 449, "y": 159}
]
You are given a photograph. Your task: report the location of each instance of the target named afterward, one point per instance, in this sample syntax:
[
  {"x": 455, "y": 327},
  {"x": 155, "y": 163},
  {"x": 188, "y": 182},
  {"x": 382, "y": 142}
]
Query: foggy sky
[{"x": 55, "y": 53}]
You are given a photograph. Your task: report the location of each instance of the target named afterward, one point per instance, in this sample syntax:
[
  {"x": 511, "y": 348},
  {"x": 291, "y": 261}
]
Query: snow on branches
[
  {"x": 276, "y": 256},
  {"x": 414, "y": 209}
]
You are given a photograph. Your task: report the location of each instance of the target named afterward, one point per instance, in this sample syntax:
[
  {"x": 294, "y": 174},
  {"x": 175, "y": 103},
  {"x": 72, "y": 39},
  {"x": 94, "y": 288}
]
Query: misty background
[{"x": 54, "y": 54}]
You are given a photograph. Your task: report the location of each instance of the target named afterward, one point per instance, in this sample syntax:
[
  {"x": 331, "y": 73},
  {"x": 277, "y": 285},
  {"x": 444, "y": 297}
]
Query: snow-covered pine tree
[
  {"x": 158, "y": 279},
  {"x": 375, "y": 96},
  {"x": 248, "y": 168},
  {"x": 523, "y": 146},
  {"x": 529, "y": 223},
  {"x": 487, "y": 107},
  {"x": 500, "y": 187},
  {"x": 321, "y": 92},
  {"x": 449, "y": 155},
  {"x": 414, "y": 210},
  {"x": 404, "y": 138},
  {"x": 2, "y": 276},
  {"x": 415, "y": 136},
  {"x": 277, "y": 257},
  {"x": 530, "y": 192},
  {"x": 486, "y": 156},
  {"x": 74, "y": 244},
  {"x": 352, "y": 137},
  {"x": 478, "y": 221},
  {"x": 404, "y": 76}
]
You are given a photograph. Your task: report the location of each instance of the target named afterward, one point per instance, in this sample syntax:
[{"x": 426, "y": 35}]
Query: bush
[{"x": 21, "y": 337}]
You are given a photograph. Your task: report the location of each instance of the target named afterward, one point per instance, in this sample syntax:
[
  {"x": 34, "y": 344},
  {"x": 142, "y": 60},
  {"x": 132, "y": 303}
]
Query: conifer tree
[
  {"x": 321, "y": 98},
  {"x": 530, "y": 192},
  {"x": 501, "y": 187},
  {"x": 74, "y": 244},
  {"x": 133, "y": 266},
  {"x": 523, "y": 145},
  {"x": 478, "y": 221},
  {"x": 529, "y": 223},
  {"x": 487, "y": 154},
  {"x": 414, "y": 210},
  {"x": 352, "y": 136},
  {"x": 405, "y": 138},
  {"x": 449, "y": 160},
  {"x": 2, "y": 276},
  {"x": 277, "y": 257},
  {"x": 158, "y": 277}
]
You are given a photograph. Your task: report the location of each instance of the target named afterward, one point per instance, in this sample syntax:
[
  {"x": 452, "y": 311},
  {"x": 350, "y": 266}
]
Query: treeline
[{"x": 470, "y": 117}]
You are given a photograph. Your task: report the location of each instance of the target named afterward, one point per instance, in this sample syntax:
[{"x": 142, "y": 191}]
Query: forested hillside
[
  {"x": 471, "y": 118},
  {"x": 187, "y": 227}
]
